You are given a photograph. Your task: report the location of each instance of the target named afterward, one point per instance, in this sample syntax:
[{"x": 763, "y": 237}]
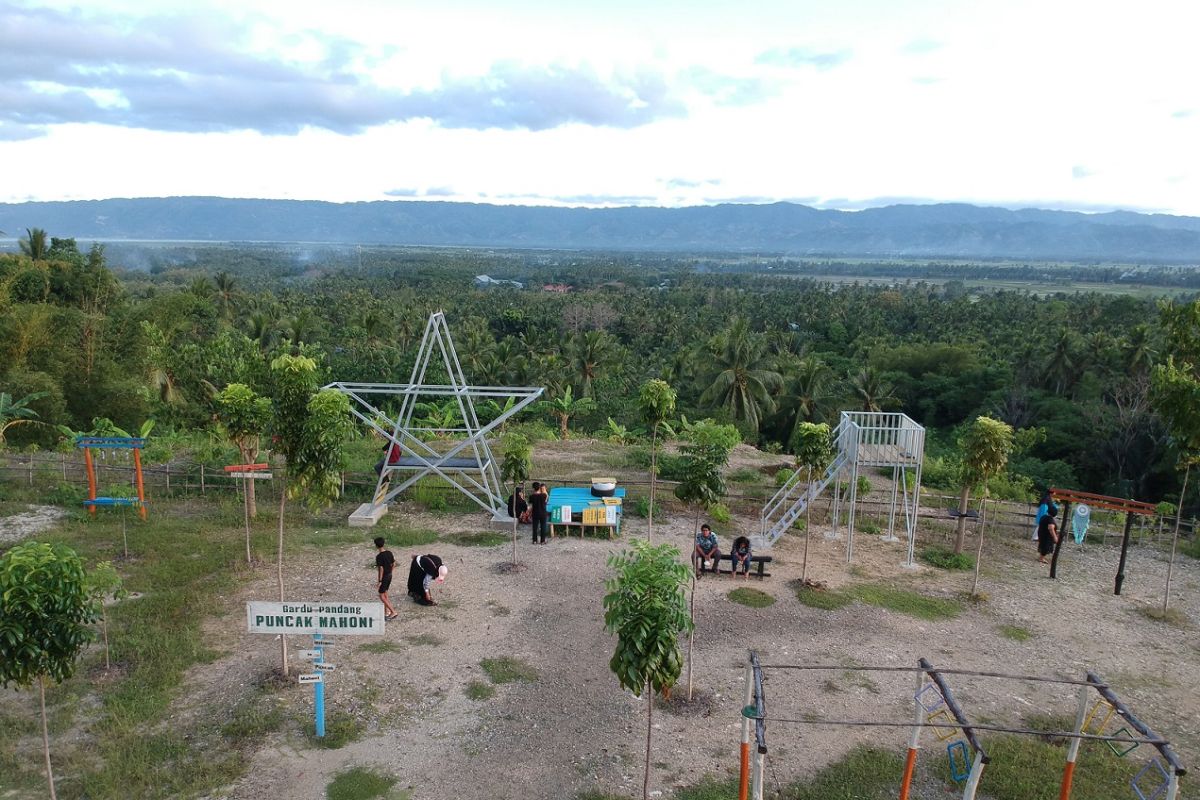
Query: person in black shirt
[
  {"x": 517, "y": 506},
  {"x": 422, "y": 574},
  {"x": 539, "y": 514},
  {"x": 384, "y": 562}
]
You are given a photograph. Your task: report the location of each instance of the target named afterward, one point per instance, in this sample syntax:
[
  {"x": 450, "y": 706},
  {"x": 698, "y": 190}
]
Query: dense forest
[{"x": 92, "y": 344}]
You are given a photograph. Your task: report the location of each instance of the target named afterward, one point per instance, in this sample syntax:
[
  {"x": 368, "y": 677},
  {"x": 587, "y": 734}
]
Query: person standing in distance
[
  {"x": 539, "y": 512},
  {"x": 384, "y": 563}
]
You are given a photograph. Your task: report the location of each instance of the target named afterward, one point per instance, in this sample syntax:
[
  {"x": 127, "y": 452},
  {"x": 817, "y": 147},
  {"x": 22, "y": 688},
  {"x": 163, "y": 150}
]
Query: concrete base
[
  {"x": 502, "y": 522},
  {"x": 366, "y": 515}
]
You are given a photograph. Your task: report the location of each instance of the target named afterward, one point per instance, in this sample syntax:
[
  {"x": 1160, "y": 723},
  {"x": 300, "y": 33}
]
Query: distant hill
[{"x": 900, "y": 231}]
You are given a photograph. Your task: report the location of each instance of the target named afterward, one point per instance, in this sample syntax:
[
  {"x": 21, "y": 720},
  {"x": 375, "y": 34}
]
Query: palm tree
[
  {"x": 871, "y": 389},
  {"x": 1060, "y": 366},
  {"x": 16, "y": 412},
  {"x": 227, "y": 294},
  {"x": 589, "y": 353},
  {"x": 1138, "y": 354},
  {"x": 808, "y": 392},
  {"x": 302, "y": 328},
  {"x": 263, "y": 327},
  {"x": 35, "y": 244},
  {"x": 742, "y": 379}
]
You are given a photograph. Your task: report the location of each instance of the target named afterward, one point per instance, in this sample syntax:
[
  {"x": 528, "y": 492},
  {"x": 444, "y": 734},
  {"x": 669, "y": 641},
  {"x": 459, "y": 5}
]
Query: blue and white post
[{"x": 319, "y": 687}]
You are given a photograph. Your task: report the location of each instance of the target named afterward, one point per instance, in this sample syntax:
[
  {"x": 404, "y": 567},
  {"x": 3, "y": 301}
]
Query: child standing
[{"x": 384, "y": 563}]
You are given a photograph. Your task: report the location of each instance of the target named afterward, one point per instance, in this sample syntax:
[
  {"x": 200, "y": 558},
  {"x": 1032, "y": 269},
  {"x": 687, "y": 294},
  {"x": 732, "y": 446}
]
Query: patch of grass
[
  {"x": 1016, "y": 633},
  {"x": 825, "y": 599},
  {"x": 340, "y": 730},
  {"x": 864, "y": 773},
  {"x": 745, "y": 475},
  {"x": 1172, "y": 616},
  {"x": 945, "y": 558},
  {"x": 478, "y": 690},
  {"x": 1029, "y": 768},
  {"x": 359, "y": 783},
  {"x": 252, "y": 719},
  {"x": 380, "y": 647},
  {"x": 481, "y": 539},
  {"x": 508, "y": 670},
  {"x": 331, "y": 537},
  {"x": 709, "y": 788},
  {"x": 906, "y": 601},
  {"x": 1190, "y": 547},
  {"x": 596, "y": 794},
  {"x": 424, "y": 640},
  {"x": 753, "y": 598},
  {"x": 410, "y": 537}
]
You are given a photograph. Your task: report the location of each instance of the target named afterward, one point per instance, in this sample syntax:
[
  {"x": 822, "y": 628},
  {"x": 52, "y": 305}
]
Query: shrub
[
  {"x": 870, "y": 527},
  {"x": 671, "y": 467},
  {"x": 864, "y": 485},
  {"x": 720, "y": 513},
  {"x": 944, "y": 558},
  {"x": 745, "y": 475},
  {"x": 783, "y": 476}
]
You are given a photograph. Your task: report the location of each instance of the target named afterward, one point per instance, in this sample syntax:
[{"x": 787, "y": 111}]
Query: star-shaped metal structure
[{"x": 467, "y": 464}]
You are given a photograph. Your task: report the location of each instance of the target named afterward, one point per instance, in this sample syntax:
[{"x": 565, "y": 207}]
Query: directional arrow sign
[
  {"x": 325, "y": 667},
  {"x": 314, "y": 678},
  {"x": 309, "y": 654}
]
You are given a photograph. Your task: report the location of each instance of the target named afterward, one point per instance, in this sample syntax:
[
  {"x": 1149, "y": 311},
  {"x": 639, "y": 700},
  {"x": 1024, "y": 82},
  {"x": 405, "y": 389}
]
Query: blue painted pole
[{"x": 319, "y": 687}]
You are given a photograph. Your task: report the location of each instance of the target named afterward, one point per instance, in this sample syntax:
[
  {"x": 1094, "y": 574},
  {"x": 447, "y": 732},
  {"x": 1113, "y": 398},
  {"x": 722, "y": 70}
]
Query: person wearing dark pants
[
  {"x": 424, "y": 572},
  {"x": 539, "y": 513}
]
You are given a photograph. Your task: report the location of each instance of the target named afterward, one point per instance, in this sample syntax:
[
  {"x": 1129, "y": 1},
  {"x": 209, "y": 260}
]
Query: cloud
[
  {"x": 198, "y": 73},
  {"x": 432, "y": 191},
  {"x": 918, "y": 47},
  {"x": 794, "y": 57},
  {"x": 684, "y": 183},
  {"x": 1079, "y": 172},
  {"x": 1183, "y": 113},
  {"x": 926, "y": 80},
  {"x": 728, "y": 90}
]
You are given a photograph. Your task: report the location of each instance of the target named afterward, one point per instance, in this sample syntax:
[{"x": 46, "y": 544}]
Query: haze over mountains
[{"x": 898, "y": 231}]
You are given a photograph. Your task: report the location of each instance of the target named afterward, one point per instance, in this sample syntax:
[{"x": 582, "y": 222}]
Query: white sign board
[
  {"x": 324, "y": 667},
  {"x": 362, "y": 619},
  {"x": 254, "y": 476},
  {"x": 314, "y": 678},
  {"x": 308, "y": 654}
]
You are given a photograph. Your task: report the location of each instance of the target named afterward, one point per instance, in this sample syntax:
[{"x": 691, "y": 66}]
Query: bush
[
  {"x": 870, "y": 527},
  {"x": 720, "y": 513},
  {"x": 641, "y": 508},
  {"x": 671, "y": 467},
  {"x": 783, "y": 476},
  {"x": 940, "y": 473},
  {"x": 745, "y": 475},
  {"x": 864, "y": 485},
  {"x": 944, "y": 558}
]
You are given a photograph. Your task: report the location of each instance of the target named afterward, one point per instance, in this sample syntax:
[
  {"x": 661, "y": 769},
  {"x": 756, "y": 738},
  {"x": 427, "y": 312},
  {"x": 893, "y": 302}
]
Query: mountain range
[{"x": 948, "y": 230}]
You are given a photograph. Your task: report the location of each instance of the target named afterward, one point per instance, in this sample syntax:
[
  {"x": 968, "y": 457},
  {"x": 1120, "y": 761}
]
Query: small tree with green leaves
[
  {"x": 310, "y": 427},
  {"x": 1175, "y": 392},
  {"x": 656, "y": 400},
  {"x": 986, "y": 447},
  {"x": 516, "y": 462},
  {"x": 244, "y": 416},
  {"x": 813, "y": 445},
  {"x": 104, "y": 584},
  {"x": 564, "y": 407},
  {"x": 46, "y": 612},
  {"x": 644, "y": 606}
]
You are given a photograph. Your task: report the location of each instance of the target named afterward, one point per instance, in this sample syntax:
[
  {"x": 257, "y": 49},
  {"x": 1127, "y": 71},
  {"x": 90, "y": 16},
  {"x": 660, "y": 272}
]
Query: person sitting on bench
[
  {"x": 706, "y": 549},
  {"x": 740, "y": 554}
]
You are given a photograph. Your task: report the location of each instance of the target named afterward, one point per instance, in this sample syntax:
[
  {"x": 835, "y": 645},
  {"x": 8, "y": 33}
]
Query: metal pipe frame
[{"x": 487, "y": 490}]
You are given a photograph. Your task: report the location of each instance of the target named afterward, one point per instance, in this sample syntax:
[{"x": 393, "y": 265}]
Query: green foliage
[
  {"x": 646, "y": 608},
  {"x": 340, "y": 730},
  {"x": 754, "y": 598},
  {"x": 380, "y": 647},
  {"x": 1015, "y": 632},
  {"x": 479, "y": 690},
  {"x": 865, "y": 773},
  {"x": 480, "y": 539},
  {"x": 812, "y": 444},
  {"x": 656, "y": 402},
  {"x": 516, "y": 459},
  {"x": 864, "y": 485},
  {"x": 745, "y": 475},
  {"x": 719, "y": 513},
  {"x": 244, "y": 416},
  {"x": 46, "y": 610},
  {"x": 825, "y": 599},
  {"x": 505, "y": 669},
  {"x": 359, "y": 783},
  {"x": 906, "y": 602},
  {"x": 944, "y": 558},
  {"x": 986, "y": 446},
  {"x": 16, "y": 412},
  {"x": 564, "y": 407}
]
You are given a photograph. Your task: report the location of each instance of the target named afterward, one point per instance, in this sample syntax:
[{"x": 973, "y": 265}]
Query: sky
[{"x": 1085, "y": 106}]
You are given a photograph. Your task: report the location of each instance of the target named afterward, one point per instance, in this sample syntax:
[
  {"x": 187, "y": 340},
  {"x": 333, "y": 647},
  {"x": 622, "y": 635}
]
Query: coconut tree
[
  {"x": 742, "y": 378},
  {"x": 589, "y": 353},
  {"x": 35, "y": 244},
  {"x": 871, "y": 390}
]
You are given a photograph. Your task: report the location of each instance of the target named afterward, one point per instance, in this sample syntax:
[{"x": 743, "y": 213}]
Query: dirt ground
[
  {"x": 35, "y": 519},
  {"x": 574, "y": 729}
]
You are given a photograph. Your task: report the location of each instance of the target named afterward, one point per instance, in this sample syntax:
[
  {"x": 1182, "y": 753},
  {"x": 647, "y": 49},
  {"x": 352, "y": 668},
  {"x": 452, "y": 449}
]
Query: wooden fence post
[{"x": 202, "y": 491}]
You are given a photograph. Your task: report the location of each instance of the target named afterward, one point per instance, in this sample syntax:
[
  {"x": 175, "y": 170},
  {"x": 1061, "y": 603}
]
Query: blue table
[{"x": 579, "y": 498}]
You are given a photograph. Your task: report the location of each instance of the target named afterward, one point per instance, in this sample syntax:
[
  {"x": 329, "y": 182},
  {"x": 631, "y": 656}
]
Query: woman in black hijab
[{"x": 425, "y": 570}]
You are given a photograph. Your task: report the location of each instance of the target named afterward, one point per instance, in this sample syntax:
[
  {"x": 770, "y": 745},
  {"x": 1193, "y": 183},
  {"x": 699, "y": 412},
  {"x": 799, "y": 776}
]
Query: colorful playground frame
[
  {"x": 1130, "y": 507},
  {"x": 934, "y": 700},
  {"x": 90, "y": 443}
]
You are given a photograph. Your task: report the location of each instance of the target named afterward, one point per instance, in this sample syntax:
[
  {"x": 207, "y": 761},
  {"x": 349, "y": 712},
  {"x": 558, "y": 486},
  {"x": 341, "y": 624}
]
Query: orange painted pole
[
  {"x": 1064, "y": 791},
  {"x": 914, "y": 740},
  {"x": 91, "y": 477},
  {"x": 744, "y": 772},
  {"x": 141, "y": 489}
]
